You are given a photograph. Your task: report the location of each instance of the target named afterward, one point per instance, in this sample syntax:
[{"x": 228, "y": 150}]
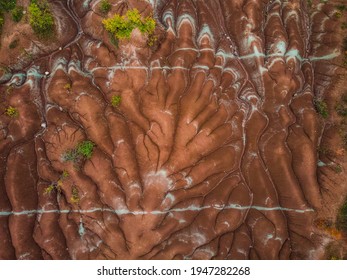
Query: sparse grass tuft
[
  {"x": 12, "y": 112},
  {"x": 116, "y": 100},
  {"x": 71, "y": 155},
  {"x": 338, "y": 14},
  {"x": 341, "y": 110},
  {"x": 65, "y": 174},
  {"x": 68, "y": 87},
  {"x": 309, "y": 3},
  {"x": 337, "y": 168},
  {"x": 341, "y": 222},
  {"x": 321, "y": 108},
  {"x": 75, "y": 198},
  {"x": 49, "y": 189}
]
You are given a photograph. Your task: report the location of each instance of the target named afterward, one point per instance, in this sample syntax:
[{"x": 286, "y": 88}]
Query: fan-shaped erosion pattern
[{"x": 213, "y": 149}]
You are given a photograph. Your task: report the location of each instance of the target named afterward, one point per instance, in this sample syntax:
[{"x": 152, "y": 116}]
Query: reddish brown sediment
[{"x": 212, "y": 153}]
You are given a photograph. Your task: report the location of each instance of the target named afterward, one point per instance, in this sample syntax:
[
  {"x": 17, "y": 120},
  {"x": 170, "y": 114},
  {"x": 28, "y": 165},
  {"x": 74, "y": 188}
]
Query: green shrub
[
  {"x": 7, "y": 5},
  {"x": 321, "y": 108},
  {"x": 115, "y": 101},
  {"x": 85, "y": 148},
  {"x": 105, "y": 6},
  {"x": 122, "y": 26},
  {"x": 41, "y": 19},
  {"x": 17, "y": 13}
]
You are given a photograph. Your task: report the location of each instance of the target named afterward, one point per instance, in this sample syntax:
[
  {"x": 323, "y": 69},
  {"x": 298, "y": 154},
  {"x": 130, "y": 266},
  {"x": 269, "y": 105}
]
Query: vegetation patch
[
  {"x": 341, "y": 222},
  {"x": 56, "y": 185},
  {"x": 41, "y": 18},
  {"x": 49, "y": 189},
  {"x": 105, "y": 6},
  {"x": 337, "y": 168},
  {"x": 68, "y": 87},
  {"x": 2, "y": 21},
  {"x": 7, "y": 5},
  {"x": 75, "y": 198},
  {"x": 122, "y": 26},
  {"x": 17, "y": 13},
  {"x": 83, "y": 150},
  {"x": 321, "y": 108},
  {"x": 12, "y": 112},
  {"x": 116, "y": 100}
]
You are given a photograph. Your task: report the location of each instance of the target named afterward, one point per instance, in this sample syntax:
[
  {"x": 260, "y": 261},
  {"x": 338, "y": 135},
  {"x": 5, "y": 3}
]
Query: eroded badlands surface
[{"x": 211, "y": 153}]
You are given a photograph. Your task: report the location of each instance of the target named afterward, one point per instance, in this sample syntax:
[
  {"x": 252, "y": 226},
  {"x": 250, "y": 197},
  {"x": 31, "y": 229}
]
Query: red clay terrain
[{"x": 225, "y": 141}]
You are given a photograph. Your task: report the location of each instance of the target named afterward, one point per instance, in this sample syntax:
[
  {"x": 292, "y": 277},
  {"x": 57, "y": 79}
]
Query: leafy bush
[
  {"x": 17, "y": 13},
  {"x": 122, "y": 26},
  {"x": 105, "y": 6},
  {"x": 115, "y": 101},
  {"x": 41, "y": 19}
]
